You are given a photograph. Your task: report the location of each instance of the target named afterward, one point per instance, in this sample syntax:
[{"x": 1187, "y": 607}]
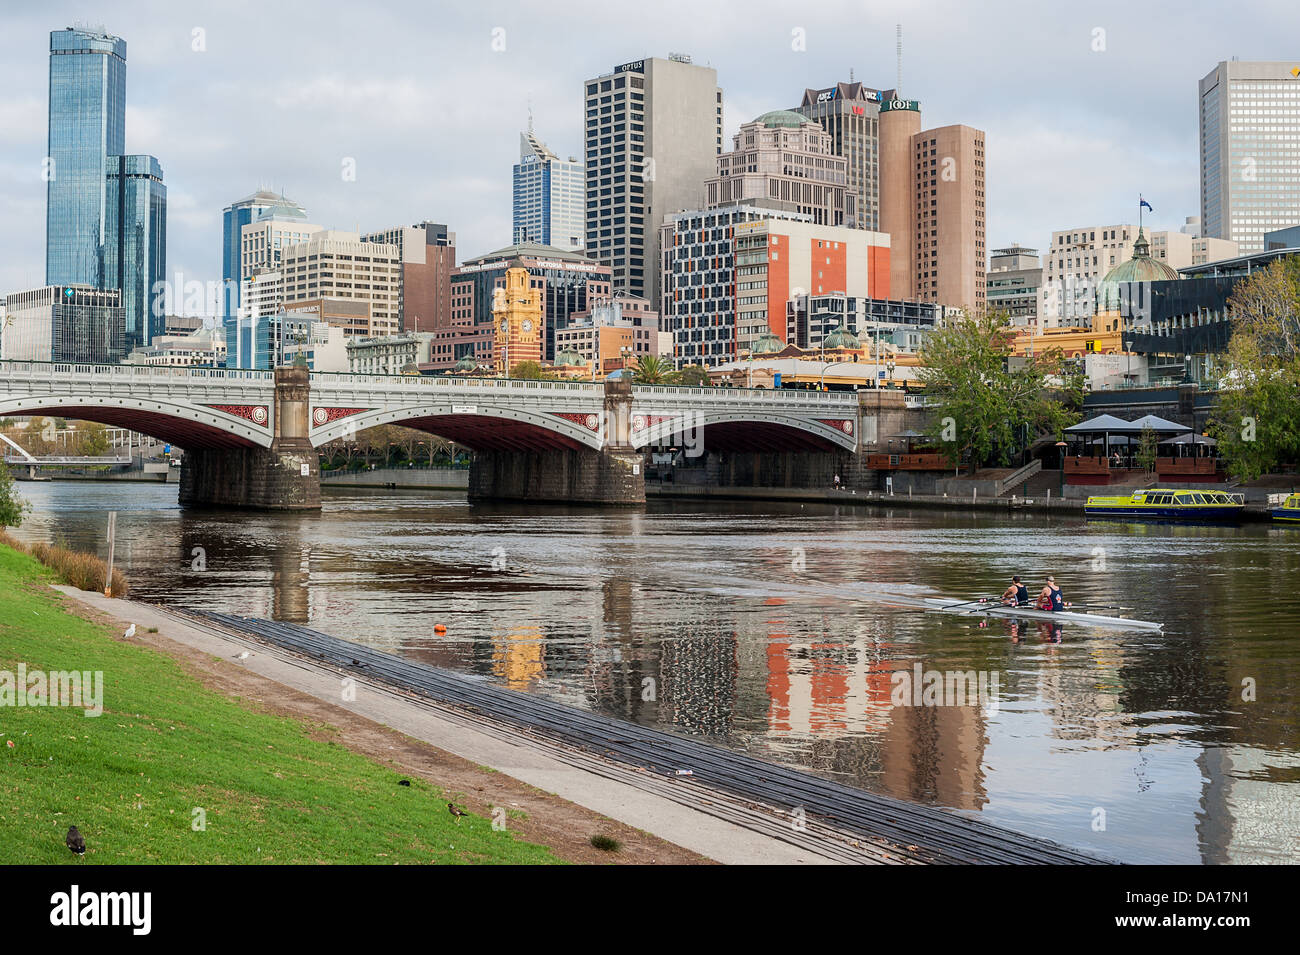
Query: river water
[{"x": 766, "y": 627}]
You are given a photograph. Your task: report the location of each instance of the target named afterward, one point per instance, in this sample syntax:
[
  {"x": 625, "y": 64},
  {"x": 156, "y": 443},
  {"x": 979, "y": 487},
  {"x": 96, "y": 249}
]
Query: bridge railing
[
  {"x": 342, "y": 379},
  {"x": 785, "y": 398},
  {"x": 55, "y": 371}
]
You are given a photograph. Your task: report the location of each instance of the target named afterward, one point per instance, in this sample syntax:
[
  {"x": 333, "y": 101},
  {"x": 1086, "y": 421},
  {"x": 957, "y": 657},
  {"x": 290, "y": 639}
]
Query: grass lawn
[{"x": 164, "y": 746}]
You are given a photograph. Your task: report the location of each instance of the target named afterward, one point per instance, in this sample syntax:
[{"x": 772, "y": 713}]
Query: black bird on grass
[
  {"x": 451, "y": 808},
  {"x": 76, "y": 841}
]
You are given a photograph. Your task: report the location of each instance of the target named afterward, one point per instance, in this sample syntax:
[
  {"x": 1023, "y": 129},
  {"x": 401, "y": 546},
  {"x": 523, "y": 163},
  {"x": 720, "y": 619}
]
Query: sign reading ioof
[{"x": 892, "y": 104}]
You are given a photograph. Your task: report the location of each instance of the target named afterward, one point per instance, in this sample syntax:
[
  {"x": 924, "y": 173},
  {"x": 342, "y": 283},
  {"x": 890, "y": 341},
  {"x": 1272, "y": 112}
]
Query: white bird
[
  {"x": 243, "y": 656},
  {"x": 130, "y": 632}
]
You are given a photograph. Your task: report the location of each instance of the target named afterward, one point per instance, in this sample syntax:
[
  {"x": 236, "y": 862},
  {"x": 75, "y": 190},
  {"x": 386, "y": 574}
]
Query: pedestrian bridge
[{"x": 211, "y": 410}]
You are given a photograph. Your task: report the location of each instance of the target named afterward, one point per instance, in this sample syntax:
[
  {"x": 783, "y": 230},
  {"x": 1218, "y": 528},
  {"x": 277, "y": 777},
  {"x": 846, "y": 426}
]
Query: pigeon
[
  {"x": 76, "y": 842},
  {"x": 451, "y": 808},
  {"x": 130, "y": 632}
]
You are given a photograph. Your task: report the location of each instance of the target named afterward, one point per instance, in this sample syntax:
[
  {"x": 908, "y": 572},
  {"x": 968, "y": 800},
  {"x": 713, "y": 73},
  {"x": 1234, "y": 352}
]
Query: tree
[
  {"x": 694, "y": 376},
  {"x": 12, "y": 507},
  {"x": 1256, "y": 419},
  {"x": 1148, "y": 448},
  {"x": 94, "y": 441},
  {"x": 529, "y": 370},
  {"x": 653, "y": 370},
  {"x": 988, "y": 403}
]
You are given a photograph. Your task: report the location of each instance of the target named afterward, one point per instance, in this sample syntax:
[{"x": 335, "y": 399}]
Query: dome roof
[
  {"x": 1140, "y": 268},
  {"x": 768, "y": 344},
  {"x": 782, "y": 117},
  {"x": 841, "y": 338},
  {"x": 466, "y": 364},
  {"x": 567, "y": 356}
]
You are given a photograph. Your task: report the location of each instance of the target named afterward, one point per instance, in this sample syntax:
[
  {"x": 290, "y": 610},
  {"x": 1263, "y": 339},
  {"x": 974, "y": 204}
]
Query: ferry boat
[
  {"x": 1167, "y": 504},
  {"x": 1289, "y": 512}
]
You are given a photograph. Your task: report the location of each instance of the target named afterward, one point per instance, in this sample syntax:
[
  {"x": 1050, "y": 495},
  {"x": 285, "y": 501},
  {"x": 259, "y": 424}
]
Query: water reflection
[{"x": 701, "y": 620}]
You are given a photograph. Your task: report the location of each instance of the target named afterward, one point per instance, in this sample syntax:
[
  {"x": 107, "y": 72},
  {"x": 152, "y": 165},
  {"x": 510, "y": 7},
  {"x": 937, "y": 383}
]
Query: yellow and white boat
[
  {"x": 1289, "y": 511},
  {"x": 1167, "y": 504}
]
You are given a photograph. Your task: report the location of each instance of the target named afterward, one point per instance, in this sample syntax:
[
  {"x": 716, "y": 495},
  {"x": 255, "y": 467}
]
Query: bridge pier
[{"x": 283, "y": 477}]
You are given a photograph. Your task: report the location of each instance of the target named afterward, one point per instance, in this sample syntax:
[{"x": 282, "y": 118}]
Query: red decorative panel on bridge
[
  {"x": 322, "y": 416},
  {"x": 642, "y": 421},
  {"x": 584, "y": 420},
  {"x": 839, "y": 424},
  {"x": 254, "y": 413}
]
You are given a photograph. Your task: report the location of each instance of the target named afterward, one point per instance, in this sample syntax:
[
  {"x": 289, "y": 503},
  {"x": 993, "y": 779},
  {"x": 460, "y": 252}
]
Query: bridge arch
[
  {"x": 487, "y": 427},
  {"x": 188, "y": 426},
  {"x": 747, "y": 431}
]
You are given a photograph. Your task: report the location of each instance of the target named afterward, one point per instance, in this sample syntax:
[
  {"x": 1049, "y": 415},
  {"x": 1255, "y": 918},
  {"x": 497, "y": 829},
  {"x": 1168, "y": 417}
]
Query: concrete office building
[
  {"x": 427, "y": 252},
  {"x": 338, "y": 266},
  {"x": 259, "y": 205},
  {"x": 610, "y": 332},
  {"x": 785, "y": 161},
  {"x": 390, "y": 354},
  {"x": 550, "y": 196},
  {"x": 1012, "y": 284},
  {"x": 813, "y": 321},
  {"x": 653, "y": 135},
  {"x": 66, "y": 323},
  {"x": 1250, "y": 133},
  {"x": 932, "y": 205},
  {"x": 850, "y": 115}
]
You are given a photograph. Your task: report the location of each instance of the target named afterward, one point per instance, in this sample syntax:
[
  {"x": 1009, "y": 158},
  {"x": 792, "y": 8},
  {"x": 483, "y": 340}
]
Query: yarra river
[{"x": 759, "y": 626}]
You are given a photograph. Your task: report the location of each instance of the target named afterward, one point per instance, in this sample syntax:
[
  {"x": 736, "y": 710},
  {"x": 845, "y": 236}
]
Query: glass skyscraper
[
  {"x": 549, "y": 197},
  {"x": 106, "y": 212},
  {"x": 137, "y": 261},
  {"x": 87, "y": 125},
  {"x": 234, "y": 217}
]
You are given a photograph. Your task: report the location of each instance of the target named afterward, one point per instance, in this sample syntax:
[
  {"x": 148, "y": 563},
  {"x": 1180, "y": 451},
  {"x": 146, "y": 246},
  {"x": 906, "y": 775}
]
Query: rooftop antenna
[
  {"x": 850, "y": 74},
  {"x": 898, "y": 36},
  {"x": 530, "y": 116}
]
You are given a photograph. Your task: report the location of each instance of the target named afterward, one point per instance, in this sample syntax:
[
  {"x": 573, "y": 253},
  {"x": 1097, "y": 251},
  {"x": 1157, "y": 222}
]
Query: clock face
[
  {"x": 527, "y": 325},
  {"x": 505, "y": 326}
]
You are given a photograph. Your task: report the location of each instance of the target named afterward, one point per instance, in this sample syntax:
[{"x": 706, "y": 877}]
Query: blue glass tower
[
  {"x": 234, "y": 217},
  {"x": 87, "y": 125},
  {"x": 136, "y": 261}
]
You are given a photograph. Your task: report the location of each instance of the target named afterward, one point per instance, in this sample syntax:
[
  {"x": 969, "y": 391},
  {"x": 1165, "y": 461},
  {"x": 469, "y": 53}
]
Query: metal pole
[{"x": 112, "y": 543}]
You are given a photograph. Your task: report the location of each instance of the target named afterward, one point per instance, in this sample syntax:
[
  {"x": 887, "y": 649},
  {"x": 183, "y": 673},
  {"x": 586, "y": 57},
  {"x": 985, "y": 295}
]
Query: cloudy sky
[{"x": 1083, "y": 106}]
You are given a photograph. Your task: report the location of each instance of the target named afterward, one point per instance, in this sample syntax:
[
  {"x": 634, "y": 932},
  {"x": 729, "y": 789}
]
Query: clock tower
[{"x": 517, "y": 320}]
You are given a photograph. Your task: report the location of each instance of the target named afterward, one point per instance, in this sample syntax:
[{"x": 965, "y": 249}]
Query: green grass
[{"x": 131, "y": 778}]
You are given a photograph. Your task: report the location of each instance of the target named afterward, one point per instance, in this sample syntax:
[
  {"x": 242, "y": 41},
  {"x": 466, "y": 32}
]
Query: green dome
[
  {"x": 768, "y": 344},
  {"x": 466, "y": 364},
  {"x": 567, "y": 356},
  {"x": 841, "y": 338},
  {"x": 1140, "y": 268},
  {"x": 782, "y": 117}
]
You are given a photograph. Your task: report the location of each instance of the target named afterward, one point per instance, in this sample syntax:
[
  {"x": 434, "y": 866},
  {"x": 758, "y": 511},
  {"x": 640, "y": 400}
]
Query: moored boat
[
  {"x": 1167, "y": 504},
  {"x": 1289, "y": 511}
]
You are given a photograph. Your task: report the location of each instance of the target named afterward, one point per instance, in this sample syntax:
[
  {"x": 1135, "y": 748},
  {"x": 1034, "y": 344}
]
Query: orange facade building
[{"x": 517, "y": 320}]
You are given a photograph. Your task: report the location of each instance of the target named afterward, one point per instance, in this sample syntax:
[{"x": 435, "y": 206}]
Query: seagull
[
  {"x": 76, "y": 842},
  {"x": 130, "y": 632},
  {"x": 243, "y": 656},
  {"x": 451, "y": 808}
]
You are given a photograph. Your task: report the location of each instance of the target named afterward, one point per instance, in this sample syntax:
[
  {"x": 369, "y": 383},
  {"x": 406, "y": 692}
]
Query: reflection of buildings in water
[
  {"x": 825, "y": 689},
  {"x": 290, "y": 579},
  {"x": 698, "y": 675},
  {"x": 1247, "y": 815},
  {"x": 1085, "y": 698},
  {"x": 518, "y": 657},
  {"x": 936, "y": 754}
]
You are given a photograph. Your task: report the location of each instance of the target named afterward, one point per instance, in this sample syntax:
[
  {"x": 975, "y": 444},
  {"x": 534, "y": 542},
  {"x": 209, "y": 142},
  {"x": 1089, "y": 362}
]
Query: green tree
[
  {"x": 653, "y": 370},
  {"x": 989, "y": 404},
  {"x": 1256, "y": 419},
  {"x": 530, "y": 370},
  {"x": 12, "y": 507},
  {"x": 695, "y": 376},
  {"x": 94, "y": 440},
  {"x": 1148, "y": 448}
]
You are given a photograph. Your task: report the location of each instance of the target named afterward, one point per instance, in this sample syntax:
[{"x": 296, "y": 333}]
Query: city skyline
[{"x": 223, "y": 136}]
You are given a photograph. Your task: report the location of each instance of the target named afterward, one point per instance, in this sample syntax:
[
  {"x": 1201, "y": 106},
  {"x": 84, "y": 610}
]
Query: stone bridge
[{"x": 250, "y": 436}]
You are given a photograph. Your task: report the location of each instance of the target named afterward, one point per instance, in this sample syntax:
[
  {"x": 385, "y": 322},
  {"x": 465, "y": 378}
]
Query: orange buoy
[{"x": 439, "y": 628}]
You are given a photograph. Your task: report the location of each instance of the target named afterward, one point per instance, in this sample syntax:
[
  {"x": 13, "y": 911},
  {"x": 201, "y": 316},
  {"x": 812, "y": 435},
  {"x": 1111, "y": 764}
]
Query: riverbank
[{"x": 194, "y": 759}]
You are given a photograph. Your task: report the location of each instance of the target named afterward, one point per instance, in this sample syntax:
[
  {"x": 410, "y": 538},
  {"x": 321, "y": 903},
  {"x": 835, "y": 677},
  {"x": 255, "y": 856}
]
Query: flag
[{"x": 1143, "y": 203}]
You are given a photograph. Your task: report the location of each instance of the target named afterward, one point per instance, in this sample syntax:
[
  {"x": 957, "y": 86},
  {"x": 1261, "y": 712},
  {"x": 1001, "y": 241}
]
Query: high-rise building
[
  {"x": 550, "y": 197},
  {"x": 66, "y": 323},
  {"x": 233, "y": 219},
  {"x": 783, "y": 160},
  {"x": 653, "y": 134},
  {"x": 427, "y": 252},
  {"x": 850, "y": 114},
  {"x": 136, "y": 262},
  {"x": 1250, "y": 131},
  {"x": 106, "y": 212},
  {"x": 337, "y": 266},
  {"x": 1014, "y": 278},
  {"x": 932, "y": 204},
  {"x": 87, "y": 125}
]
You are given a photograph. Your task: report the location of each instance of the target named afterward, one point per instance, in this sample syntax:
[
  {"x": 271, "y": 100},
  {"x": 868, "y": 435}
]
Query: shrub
[{"x": 83, "y": 571}]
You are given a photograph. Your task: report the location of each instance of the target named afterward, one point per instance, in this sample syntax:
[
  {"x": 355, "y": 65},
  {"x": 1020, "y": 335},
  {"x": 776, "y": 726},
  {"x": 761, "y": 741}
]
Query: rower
[
  {"x": 1017, "y": 595},
  {"x": 1051, "y": 597}
]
